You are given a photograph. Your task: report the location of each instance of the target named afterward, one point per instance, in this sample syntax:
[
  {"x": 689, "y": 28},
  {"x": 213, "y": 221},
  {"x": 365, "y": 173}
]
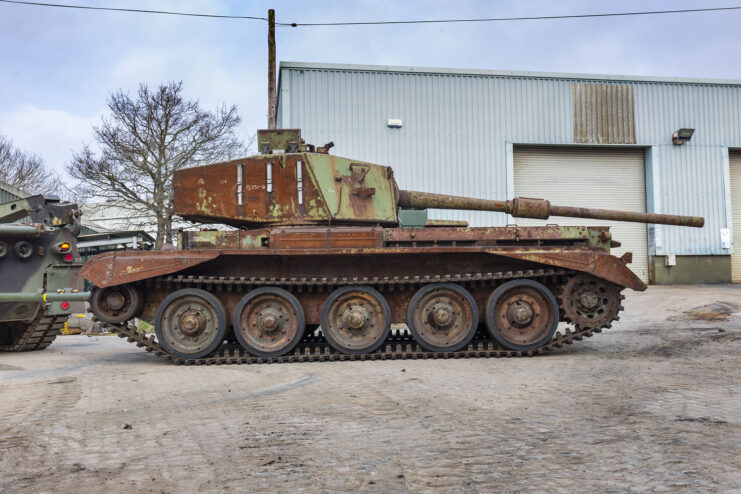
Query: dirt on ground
[{"x": 652, "y": 405}]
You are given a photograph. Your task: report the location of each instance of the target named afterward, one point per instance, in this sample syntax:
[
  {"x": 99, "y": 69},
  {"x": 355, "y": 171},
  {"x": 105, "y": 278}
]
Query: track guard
[
  {"x": 598, "y": 263},
  {"x": 126, "y": 267}
]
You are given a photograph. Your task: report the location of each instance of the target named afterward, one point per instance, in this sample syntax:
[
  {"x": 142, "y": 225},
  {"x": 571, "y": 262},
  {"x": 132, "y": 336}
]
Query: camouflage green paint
[
  {"x": 21, "y": 230},
  {"x": 14, "y": 210},
  {"x": 253, "y": 239},
  {"x": 412, "y": 218},
  {"x": 58, "y": 296},
  {"x": 232, "y": 239},
  {"x": 206, "y": 239},
  {"x": 43, "y": 271},
  {"x": 598, "y": 236},
  {"x": 47, "y": 211},
  {"x": 30, "y": 261},
  {"x": 269, "y": 140},
  {"x": 352, "y": 190}
]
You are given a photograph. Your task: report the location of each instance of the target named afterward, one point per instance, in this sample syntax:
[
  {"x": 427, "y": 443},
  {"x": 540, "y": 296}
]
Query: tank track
[
  {"x": 39, "y": 334},
  {"x": 314, "y": 348}
]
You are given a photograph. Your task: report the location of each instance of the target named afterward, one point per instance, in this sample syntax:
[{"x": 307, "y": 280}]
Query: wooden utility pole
[{"x": 271, "y": 69}]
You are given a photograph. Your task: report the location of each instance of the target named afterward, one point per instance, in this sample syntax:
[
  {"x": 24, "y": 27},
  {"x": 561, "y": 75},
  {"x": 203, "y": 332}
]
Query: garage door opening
[{"x": 608, "y": 178}]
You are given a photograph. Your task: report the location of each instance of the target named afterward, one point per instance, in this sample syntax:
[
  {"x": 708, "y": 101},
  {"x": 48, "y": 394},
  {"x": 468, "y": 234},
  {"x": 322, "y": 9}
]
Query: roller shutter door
[
  {"x": 736, "y": 215},
  {"x": 608, "y": 178}
]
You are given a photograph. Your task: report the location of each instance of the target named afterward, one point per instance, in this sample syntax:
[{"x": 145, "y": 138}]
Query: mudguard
[
  {"x": 596, "y": 262},
  {"x": 117, "y": 268}
]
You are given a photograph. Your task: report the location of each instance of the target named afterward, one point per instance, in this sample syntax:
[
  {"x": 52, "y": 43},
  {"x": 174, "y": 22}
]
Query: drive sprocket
[{"x": 590, "y": 302}]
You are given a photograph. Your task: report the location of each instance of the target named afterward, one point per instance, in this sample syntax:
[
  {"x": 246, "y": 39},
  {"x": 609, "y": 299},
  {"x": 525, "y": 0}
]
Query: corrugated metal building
[
  {"x": 9, "y": 193},
  {"x": 585, "y": 140}
]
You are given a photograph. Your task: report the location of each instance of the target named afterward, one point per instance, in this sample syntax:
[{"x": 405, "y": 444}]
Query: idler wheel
[
  {"x": 269, "y": 322},
  {"x": 356, "y": 319},
  {"x": 443, "y": 317},
  {"x": 590, "y": 302},
  {"x": 522, "y": 315},
  {"x": 190, "y": 323},
  {"x": 116, "y": 304}
]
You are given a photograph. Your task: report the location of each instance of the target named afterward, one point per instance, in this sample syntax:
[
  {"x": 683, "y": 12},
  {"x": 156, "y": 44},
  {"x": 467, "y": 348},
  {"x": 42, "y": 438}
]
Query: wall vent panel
[{"x": 603, "y": 113}]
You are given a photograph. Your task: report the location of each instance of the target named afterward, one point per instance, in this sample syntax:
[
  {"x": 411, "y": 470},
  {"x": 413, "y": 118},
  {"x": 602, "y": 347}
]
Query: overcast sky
[{"x": 57, "y": 66}]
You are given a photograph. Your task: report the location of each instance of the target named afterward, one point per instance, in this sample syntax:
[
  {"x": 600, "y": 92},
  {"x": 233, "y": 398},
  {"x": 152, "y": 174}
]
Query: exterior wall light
[{"x": 681, "y": 136}]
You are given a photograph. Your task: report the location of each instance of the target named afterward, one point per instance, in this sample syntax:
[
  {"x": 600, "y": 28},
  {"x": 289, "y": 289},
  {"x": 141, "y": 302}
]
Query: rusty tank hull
[{"x": 330, "y": 253}]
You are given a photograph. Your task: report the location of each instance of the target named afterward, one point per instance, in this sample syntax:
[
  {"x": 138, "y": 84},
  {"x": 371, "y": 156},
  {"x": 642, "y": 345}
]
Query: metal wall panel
[
  {"x": 691, "y": 177},
  {"x": 7, "y": 195},
  {"x": 603, "y": 113},
  {"x": 458, "y": 125},
  {"x": 444, "y": 144}
]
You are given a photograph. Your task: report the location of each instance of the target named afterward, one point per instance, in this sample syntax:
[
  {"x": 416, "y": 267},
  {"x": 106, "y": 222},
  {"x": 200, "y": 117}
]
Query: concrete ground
[{"x": 652, "y": 405}]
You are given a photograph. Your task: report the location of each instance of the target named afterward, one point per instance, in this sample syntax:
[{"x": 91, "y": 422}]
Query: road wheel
[
  {"x": 269, "y": 322},
  {"x": 522, "y": 315},
  {"x": 443, "y": 317},
  {"x": 356, "y": 319},
  {"x": 190, "y": 323},
  {"x": 116, "y": 304}
]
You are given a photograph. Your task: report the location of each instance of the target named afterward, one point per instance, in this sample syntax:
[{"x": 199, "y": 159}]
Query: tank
[
  {"x": 329, "y": 259},
  {"x": 40, "y": 269}
]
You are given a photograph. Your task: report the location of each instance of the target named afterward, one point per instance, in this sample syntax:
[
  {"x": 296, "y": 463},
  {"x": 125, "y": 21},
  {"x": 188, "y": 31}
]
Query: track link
[
  {"x": 399, "y": 346},
  {"x": 314, "y": 348},
  {"x": 39, "y": 333}
]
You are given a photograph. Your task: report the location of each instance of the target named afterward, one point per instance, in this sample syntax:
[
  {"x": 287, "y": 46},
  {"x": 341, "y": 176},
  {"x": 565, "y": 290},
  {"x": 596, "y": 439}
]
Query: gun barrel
[
  {"x": 609, "y": 214},
  {"x": 524, "y": 207},
  {"x": 422, "y": 200}
]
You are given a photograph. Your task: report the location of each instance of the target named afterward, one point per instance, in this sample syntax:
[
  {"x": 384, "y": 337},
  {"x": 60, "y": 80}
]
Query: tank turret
[{"x": 292, "y": 183}]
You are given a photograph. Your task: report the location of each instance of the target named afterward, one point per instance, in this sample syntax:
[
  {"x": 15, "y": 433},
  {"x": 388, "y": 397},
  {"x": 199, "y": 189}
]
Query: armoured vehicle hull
[
  {"x": 327, "y": 258},
  {"x": 39, "y": 266}
]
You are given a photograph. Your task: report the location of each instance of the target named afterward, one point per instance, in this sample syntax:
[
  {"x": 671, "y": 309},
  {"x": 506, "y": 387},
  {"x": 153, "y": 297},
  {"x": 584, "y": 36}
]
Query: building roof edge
[{"x": 504, "y": 73}]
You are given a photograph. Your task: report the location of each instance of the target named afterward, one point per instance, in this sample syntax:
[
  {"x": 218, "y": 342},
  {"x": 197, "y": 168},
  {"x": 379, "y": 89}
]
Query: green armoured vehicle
[
  {"x": 328, "y": 241},
  {"x": 39, "y": 265}
]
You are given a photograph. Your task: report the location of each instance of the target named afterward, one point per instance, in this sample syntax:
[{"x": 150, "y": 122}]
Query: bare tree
[
  {"x": 24, "y": 171},
  {"x": 143, "y": 141}
]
